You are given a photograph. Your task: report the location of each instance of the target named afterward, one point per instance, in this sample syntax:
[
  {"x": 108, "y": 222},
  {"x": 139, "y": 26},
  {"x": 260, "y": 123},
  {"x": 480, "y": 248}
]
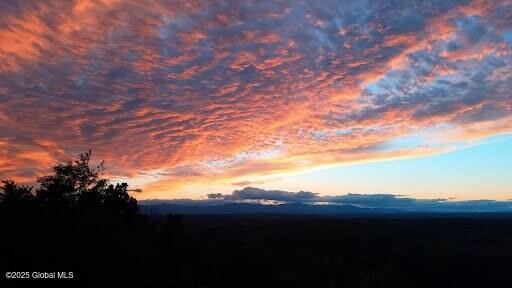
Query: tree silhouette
[
  {"x": 77, "y": 184},
  {"x": 75, "y": 218},
  {"x": 15, "y": 196}
]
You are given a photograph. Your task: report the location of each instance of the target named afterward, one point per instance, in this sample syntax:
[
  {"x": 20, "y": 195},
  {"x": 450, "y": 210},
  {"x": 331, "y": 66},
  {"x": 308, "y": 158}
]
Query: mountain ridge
[{"x": 294, "y": 208}]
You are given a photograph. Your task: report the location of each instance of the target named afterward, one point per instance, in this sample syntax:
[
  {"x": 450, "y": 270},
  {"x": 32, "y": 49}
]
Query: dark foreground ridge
[{"x": 76, "y": 221}]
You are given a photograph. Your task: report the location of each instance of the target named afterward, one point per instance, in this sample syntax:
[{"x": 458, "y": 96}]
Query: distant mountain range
[
  {"x": 187, "y": 207},
  {"x": 250, "y": 208}
]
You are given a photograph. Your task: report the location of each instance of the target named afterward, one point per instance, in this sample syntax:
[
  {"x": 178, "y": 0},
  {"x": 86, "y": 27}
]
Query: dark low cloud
[
  {"x": 250, "y": 193},
  {"x": 215, "y": 196}
]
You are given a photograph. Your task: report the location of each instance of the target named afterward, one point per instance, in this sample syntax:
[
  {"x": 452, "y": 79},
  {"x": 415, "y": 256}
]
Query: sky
[{"x": 185, "y": 98}]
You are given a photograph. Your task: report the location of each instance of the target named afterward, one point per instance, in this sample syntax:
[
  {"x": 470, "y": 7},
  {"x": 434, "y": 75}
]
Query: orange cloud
[{"x": 180, "y": 92}]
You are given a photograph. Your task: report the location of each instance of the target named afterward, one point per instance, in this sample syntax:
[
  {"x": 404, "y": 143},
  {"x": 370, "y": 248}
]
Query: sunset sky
[{"x": 184, "y": 98}]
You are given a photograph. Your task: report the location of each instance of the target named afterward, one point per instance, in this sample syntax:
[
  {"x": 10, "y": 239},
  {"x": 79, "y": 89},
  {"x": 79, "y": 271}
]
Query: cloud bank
[
  {"x": 176, "y": 92},
  {"x": 383, "y": 201}
]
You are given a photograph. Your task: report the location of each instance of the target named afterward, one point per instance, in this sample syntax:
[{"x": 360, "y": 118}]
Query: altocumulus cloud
[{"x": 188, "y": 90}]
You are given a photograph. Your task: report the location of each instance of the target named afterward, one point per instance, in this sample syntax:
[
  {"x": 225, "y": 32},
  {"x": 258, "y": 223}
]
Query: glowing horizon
[{"x": 185, "y": 98}]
